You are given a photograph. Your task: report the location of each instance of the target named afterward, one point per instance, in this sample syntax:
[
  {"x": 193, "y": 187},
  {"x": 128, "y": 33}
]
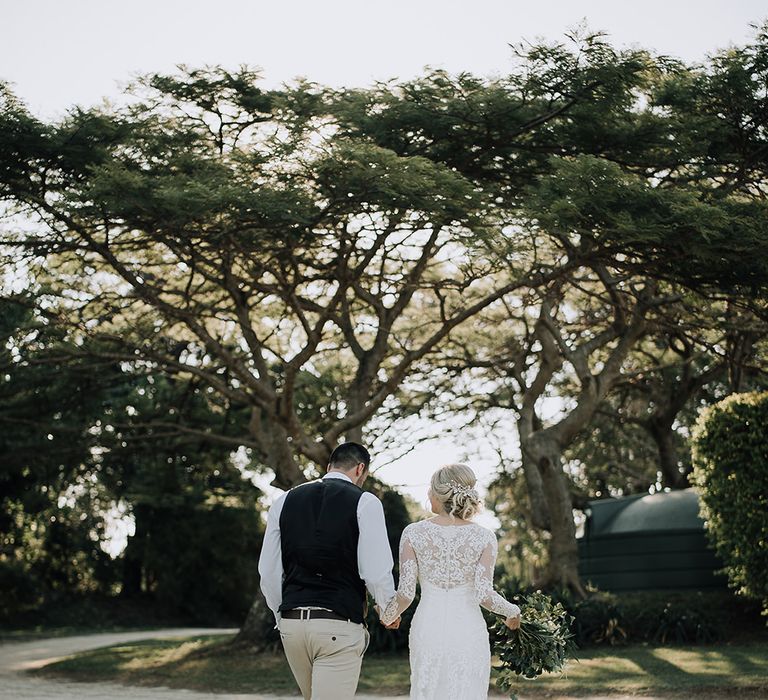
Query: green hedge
[
  {"x": 661, "y": 617},
  {"x": 730, "y": 458},
  {"x": 673, "y": 616}
]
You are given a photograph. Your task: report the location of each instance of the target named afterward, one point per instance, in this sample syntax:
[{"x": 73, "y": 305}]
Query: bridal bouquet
[{"x": 542, "y": 643}]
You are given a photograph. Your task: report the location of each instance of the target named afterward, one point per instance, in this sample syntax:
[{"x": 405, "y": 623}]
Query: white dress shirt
[{"x": 374, "y": 557}]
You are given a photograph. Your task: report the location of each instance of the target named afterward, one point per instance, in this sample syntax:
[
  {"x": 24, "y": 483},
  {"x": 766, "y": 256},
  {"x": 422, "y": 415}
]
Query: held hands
[
  {"x": 513, "y": 622},
  {"x": 392, "y": 625}
]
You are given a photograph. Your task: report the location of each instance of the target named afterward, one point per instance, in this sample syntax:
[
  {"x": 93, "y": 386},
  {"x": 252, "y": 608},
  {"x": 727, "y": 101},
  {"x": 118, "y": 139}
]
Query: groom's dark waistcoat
[{"x": 318, "y": 539}]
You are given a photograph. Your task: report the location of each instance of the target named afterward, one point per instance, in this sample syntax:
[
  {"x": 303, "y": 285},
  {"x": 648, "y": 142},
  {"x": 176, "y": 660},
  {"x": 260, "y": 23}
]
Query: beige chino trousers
[{"x": 325, "y": 656}]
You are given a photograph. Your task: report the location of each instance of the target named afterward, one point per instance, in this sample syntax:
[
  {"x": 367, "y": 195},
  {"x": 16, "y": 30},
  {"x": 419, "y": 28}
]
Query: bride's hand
[{"x": 513, "y": 622}]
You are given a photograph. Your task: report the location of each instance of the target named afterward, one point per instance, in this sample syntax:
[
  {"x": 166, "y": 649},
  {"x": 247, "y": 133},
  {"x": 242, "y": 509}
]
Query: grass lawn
[
  {"x": 634, "y": 670},
  {"x": 179, "y": 663},
  {"x": 683, "y": 671}
]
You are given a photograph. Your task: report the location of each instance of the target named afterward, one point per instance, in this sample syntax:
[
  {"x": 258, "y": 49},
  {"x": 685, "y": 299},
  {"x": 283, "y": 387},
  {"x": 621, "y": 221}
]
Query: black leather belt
[{"x": 297, "y": 614}]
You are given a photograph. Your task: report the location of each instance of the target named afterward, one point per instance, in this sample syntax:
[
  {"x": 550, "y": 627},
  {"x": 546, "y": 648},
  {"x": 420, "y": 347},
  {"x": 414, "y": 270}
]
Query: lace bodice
[{"x": 448, "y": 557}]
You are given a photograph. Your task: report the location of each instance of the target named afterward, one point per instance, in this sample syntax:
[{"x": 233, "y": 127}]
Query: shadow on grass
[
  {"x": 670, "y": 671},
  {"x": 216, "y": 665},
  {"x": 661, "y": 671},
  {"x": 211, "y": 665},
  {"x": 744, "y": 661}
]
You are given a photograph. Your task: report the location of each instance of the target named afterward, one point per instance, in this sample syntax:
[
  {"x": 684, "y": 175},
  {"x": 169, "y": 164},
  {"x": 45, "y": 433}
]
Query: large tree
[
  {"x": 229, "y": 234},
  {"x": 645, "y": 175},
  {"x": 232, "y": 238}
]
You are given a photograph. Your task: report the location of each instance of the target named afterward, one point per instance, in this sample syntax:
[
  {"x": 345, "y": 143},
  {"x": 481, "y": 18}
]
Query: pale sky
[
  {"x": 58, "y": 53},
  {"x": 64, "y": 52}
]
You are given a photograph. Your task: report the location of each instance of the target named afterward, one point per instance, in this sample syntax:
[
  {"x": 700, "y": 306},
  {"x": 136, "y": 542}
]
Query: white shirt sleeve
[
  {"x": 271, "y": 560},
  {"x": 374, "y": 557}
]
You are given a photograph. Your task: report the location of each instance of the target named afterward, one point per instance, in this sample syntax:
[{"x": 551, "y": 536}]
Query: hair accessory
[{"x": 462, "y": 490}]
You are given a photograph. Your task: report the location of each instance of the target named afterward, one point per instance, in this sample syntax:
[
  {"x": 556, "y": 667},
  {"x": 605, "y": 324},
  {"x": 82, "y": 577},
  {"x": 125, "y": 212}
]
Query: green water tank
[{"x": 647, "y": 542}]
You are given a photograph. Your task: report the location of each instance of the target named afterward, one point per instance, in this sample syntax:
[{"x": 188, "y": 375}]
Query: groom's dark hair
[{"x": 348, "y": 455}]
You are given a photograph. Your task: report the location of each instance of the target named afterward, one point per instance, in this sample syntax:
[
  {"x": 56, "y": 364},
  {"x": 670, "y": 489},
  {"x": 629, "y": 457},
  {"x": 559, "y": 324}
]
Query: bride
[{"x": 453, "y": 560}]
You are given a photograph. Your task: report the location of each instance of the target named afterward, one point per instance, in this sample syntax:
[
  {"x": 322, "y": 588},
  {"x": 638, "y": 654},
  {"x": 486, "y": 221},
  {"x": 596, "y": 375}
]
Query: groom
[{"x": 325, "y": 544}]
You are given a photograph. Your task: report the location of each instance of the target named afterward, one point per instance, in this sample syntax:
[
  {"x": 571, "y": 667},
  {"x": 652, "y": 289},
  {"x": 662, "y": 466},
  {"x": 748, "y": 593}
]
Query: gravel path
[{"x": 16, "y": 657}]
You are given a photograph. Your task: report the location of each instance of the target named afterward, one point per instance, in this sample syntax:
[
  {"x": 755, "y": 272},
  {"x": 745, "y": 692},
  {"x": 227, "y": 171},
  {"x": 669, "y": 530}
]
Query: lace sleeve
[
  {"x": 486, "y": 595},
  {"x": 406, "y": 590}
]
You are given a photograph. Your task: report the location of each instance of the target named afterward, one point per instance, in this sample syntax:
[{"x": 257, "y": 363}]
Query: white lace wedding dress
[{"x": 450, "y": 651}]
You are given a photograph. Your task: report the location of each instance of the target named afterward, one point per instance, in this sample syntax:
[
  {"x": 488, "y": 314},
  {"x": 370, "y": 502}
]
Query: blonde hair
[{"x": 453, "y": 486}]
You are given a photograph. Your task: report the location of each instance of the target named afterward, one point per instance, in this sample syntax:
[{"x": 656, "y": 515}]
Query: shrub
[
  {"x": 598, "y": 620},
  {"x": 660, "y": 617},
  {"x": 730, "y": 457},
  {"x": 20, "y": 589},
  {"x": 670, "y": 622},
  {"x": 201, "y": 560}
]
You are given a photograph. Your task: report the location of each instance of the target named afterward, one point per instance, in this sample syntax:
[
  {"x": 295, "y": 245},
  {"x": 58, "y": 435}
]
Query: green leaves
[
  {"x": 213, "y": 88},
  {"x": 542, "y": 644},
  {"x": 368, "y": 175},
  {"x": 730, "y": 453},
  {"x": 598, "y": 210}
]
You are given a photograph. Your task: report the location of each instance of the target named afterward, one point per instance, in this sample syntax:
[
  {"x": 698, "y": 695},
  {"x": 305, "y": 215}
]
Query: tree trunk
[
  {"x": 563, "y": 567},
  {"x": 540, "y": 515},
  {"x": 133, "y": 556},
  {"x": 288, "y": 472},
  {"x": 664, "y": 437},
  {"x": 355, "y": 402},
  {"x": 534, "y": 484},
  {"x": 257, "y": 632}
]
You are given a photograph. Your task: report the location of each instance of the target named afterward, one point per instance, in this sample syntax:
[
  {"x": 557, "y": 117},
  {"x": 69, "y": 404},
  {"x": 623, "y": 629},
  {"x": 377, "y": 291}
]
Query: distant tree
[
  {"x": 52, "y": 525},
  {"x": 197, "y": 523},
  {"x": 701, "y": 351},
  {"x": 78, "y": 440}
]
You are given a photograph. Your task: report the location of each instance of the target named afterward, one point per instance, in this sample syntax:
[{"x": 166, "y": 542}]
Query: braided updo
[{"x": 453, "y": 486}]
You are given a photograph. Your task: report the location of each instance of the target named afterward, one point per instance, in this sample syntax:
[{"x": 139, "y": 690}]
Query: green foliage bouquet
[{"x": 542, "y": 643}]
